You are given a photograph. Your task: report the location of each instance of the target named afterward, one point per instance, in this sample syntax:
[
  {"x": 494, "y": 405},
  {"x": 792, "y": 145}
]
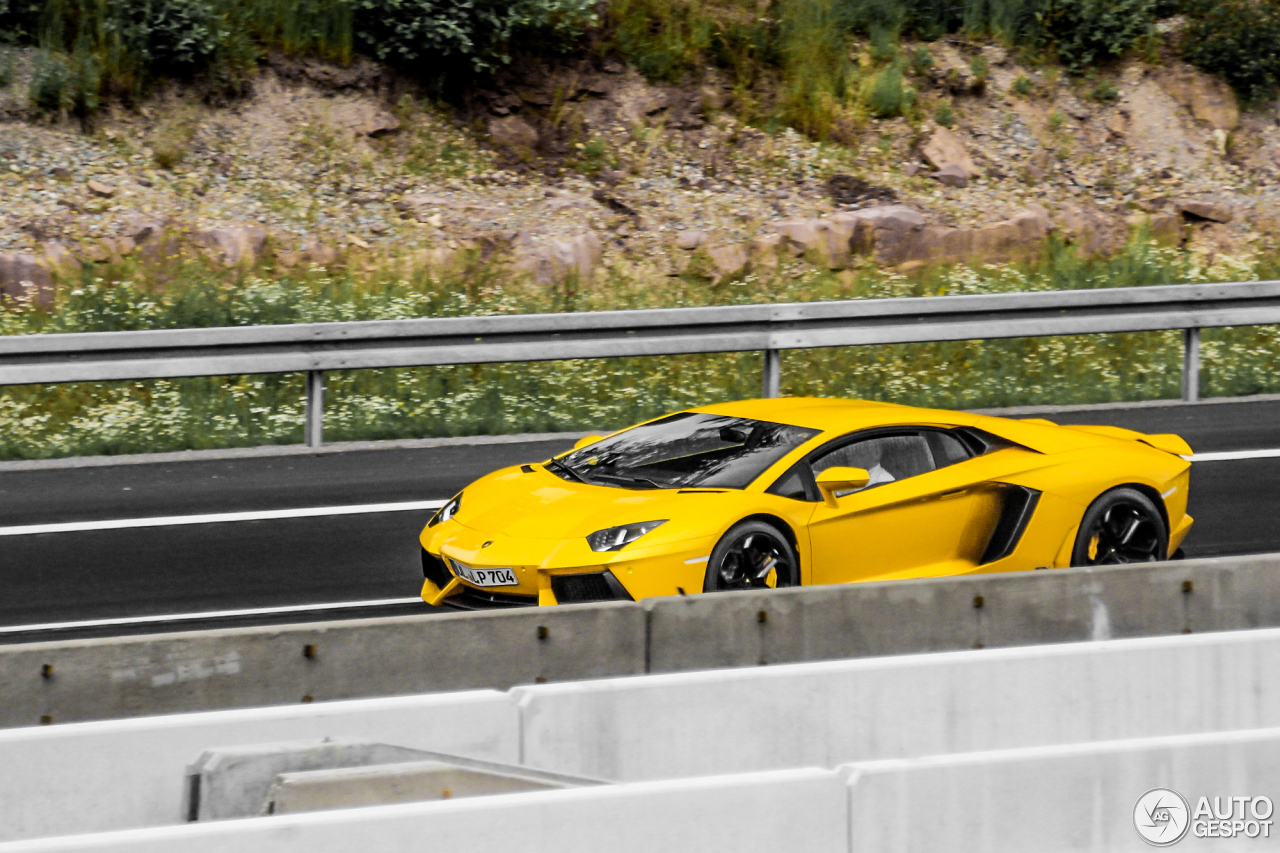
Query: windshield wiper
[
  {"x": 557, "y": 465},
  {"x": 625, "y": 478}
]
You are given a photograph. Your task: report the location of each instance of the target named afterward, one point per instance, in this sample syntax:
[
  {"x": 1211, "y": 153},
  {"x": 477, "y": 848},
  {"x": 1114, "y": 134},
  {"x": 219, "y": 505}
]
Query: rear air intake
[
  {"x": 596, "y": 586},
  {"x": 1019, "y": 503}
]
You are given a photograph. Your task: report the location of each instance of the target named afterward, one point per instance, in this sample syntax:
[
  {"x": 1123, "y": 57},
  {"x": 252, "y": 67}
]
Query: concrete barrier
[
  {"x": 974, "y": 611},
  {"x": 825, "y": 714},
  {"x": 232, "y": 781},
  {"x": 417, "y": 781},
  {"x": 1065, "y": 798},
  {"x": 119, "y": 677},
  {"x": 757, "y": 813},
  {"x": 246, "y": 667},
  {"x": 91, "y": 777}
]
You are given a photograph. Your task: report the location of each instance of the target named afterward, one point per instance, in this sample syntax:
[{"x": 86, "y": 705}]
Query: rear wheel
[
  {"x": 1122, "y": 526},
  {"x": 752, "y": 555}
]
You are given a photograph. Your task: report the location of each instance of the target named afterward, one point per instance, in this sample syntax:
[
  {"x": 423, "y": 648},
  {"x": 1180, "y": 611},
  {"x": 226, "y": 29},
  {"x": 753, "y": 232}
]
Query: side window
[
  {"x": 791, "y": 485},
  {"x": 947, "y": 448},
  {"x": 885, "y": 457}
]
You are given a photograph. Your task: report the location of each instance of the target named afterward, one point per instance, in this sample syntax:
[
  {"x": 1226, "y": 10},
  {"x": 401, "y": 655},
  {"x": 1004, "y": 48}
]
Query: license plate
[{"x": 485, "y": 577}]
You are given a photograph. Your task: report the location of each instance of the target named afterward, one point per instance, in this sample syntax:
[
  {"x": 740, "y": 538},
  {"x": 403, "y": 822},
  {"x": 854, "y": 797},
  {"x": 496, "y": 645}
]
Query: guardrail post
[
  {"x": 1191, "y": 365},
  {"x": 772, "y": 374},
  {"x": 315, "y": 408}
]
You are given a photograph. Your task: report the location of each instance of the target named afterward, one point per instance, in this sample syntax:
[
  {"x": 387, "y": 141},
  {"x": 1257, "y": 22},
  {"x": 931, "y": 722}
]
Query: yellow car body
[{"x": 967, "y": 516}]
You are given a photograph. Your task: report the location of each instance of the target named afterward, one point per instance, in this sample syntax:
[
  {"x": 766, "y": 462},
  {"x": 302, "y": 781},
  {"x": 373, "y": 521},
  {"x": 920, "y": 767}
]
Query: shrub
[
  {"x": 921, "y": 60},
  {"x": 1022, "y": 86},
  {"x": 440, "y": 39},
  {"x": 1237, "y": 39},
  {"x": 1104, "y": 92},
  {"x": 49, "y": 82},
  {"x": 978, "y": 65},
  {"x": 8, "y": 68},
  {"x": 945, "y": 115},
  {"x": 1086, "y": 31},
  {"x": 887, "y": 97}
]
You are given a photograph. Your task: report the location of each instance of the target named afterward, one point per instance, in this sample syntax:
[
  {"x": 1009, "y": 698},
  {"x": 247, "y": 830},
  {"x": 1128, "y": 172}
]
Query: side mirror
[
  {"x": 841, "y": 479},
  {"x": 585, "y": 440}
]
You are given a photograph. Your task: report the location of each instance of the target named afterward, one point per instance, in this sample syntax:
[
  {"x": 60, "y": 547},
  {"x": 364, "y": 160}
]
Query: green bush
[
  {"x": 887, "y": 97},
  {"x": 1237, "y": 39},
  {"x": 1084, "y": 32},
  {"x": 1104, "y": 92},
  {"x": 439, "y": 39},
  {"x": 945, "y": 115},
  {"x": 1023, "y": 85}
]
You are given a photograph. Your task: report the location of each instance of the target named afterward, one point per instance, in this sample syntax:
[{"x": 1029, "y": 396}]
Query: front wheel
[
  {"x": 752, "y": 555},
  {"x": 1122, "y": 526}
]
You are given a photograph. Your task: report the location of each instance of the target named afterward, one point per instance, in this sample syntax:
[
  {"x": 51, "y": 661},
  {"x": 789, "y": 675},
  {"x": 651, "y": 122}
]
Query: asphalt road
[{"x": 59, "y": 577}]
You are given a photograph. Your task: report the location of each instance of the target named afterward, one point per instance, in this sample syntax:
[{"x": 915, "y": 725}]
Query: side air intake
[
  {"x": 1019, "y": 504},
  {"x": 595, "y": 586}
]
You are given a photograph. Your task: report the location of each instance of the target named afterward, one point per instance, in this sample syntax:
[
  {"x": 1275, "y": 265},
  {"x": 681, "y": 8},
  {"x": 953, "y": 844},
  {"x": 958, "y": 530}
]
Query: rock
[
  {"x": 100, "y": 189},
  {"x": 729, "y": 261},
  {"x": 846, "y": 189},
  {"x": 26, "y": 280},
  {"x": 363, "y": 118},
  {"x": 953, "y": 175},
  {"x": 945, "y": 149},
  {"x": 763, "y": 251},
  {"x": 549, "y": 261},
  {"x": 58, "y": 257},
  {"x": 1117, "y": 123},
  {"x": 1093, "y": 232},
  {"x": 320, "y": 254},
  {"x": 690, "y": 239},
  {"x": 637, "y": 100},
  {"x": 514, "y": 134},
  {"x": 141, "y": 227},
  {"x": 898, "y": 236},
  {"x": 62, "y": 173},
  {"x": 1197, "y": 209},
  {"x": 825, "y": 241},
  {"x": 995, "y": 54},
  {"x": 232, "y": 246},
  {"x": 1206, "y": 97},
  {"x": 1164, "y": 228},
  {"x": 356, "y": 241}
]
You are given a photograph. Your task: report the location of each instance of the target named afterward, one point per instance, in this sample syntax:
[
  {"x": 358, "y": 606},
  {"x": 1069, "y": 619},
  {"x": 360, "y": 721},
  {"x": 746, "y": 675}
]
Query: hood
[{"x": 540, "y": 505}]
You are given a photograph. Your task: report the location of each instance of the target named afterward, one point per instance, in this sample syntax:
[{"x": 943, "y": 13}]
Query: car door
[{"x": 921, "y": 514}]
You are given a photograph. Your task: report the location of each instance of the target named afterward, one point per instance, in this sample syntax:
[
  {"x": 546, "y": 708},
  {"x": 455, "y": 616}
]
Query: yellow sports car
[{"x": 800, "y": 491}]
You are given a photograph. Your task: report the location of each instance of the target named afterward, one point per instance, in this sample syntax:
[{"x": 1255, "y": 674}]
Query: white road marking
[
  {"x": 1227, "y": 455},
  {"x": 217, "y": 518},
  {"x": 213, "y": 614}
]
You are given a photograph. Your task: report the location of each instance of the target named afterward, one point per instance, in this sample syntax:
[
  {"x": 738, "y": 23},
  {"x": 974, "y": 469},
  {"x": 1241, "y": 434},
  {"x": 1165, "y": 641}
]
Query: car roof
[{"x": 834, "y": 415}]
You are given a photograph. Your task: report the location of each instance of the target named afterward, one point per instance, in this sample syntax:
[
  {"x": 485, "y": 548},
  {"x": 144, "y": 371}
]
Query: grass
[{"x": 130, "y": 417}]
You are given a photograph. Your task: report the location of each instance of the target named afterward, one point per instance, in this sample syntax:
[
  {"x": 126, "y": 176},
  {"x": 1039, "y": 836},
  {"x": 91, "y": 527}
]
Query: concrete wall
[
  {"x": 281, "y": 665},
  {"x": 974, "y": 611},
  {"x": 825, "y": 714},
  {"x": 200, "y": 670},
  {"x": 1074, "y": 798},
  {"x": 758, "y": 813},
  {"x": 90, "y": 777}
]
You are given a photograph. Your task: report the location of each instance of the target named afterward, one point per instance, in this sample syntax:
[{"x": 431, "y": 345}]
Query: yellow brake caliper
[{"x": 1093, "y": 546}]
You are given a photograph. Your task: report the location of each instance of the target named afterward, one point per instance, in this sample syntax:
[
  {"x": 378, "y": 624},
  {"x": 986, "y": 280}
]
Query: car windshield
[{"x": 687, "y": 449}]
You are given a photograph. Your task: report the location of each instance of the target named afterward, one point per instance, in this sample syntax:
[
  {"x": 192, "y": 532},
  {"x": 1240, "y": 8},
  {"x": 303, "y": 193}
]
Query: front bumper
[{"x": 625, "y": 577}]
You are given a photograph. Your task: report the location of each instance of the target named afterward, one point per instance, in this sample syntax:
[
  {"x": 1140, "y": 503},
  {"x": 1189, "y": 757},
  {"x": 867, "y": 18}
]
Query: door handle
[{"x": 954, "y": 493}]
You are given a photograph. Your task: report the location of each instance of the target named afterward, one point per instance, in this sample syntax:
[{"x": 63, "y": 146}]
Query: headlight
[
  {"x": 447, "y": 511},
  {"x": 614, "y": 538}
]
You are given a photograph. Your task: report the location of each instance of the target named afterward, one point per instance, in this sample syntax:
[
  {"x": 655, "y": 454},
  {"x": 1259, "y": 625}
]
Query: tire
[
  {"x": 747, "y": 555},
  {"x": 1120, "y": 527}
]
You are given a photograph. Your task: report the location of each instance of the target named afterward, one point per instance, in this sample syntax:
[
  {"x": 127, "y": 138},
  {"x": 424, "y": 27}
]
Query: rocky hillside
[{"x": 582, "y": 170}]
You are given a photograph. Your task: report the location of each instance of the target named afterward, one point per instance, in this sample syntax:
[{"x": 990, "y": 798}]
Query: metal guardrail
[{"x": 314, "y": 348}]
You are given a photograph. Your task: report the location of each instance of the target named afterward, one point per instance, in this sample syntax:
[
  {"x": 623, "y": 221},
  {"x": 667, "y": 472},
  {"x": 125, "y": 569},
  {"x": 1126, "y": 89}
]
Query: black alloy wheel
[
  {"x": 752, "y": 555},
  {"x": 1122, "y": 526}
]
